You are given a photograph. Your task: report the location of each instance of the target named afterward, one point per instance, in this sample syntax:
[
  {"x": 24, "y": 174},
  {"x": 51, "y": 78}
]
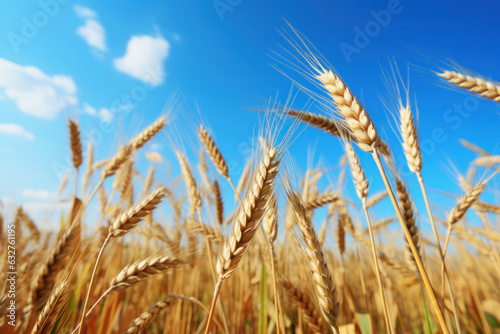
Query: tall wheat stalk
[
  {"x": 361, "y": 186},
  {"x": 270, "y": 224},
  {"x": 360, "y": 127},
  {"x": 250, "y": 214}
]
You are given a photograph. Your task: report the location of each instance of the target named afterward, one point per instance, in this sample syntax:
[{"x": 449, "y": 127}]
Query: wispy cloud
[
  {"x": 91, "y": 31},
  {"x": 84, "y": 12},
  {"x": 35, "y": 92},
  {"x": 144, "y": 59},
  {"x": 104, "y": 113},
  {"x": 16, "y": 130},
  {"x": 39, "y": 194}
]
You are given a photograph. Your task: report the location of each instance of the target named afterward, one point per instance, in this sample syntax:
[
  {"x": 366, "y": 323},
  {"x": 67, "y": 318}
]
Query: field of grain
[{"x": 135, "y": 255}]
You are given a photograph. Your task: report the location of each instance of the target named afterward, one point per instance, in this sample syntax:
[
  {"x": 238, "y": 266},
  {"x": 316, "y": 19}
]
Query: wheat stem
[
  {"x": 414, "y": 251},
  {"x": 377, "y": 268},
  {"x": 443, "y": 264},
  {"x": 214, "y": 301},
  {"x": 92, "y": 280}
]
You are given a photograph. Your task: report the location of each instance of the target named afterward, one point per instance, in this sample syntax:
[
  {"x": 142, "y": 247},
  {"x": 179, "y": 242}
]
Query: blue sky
[{"x": 116, "y": 65}]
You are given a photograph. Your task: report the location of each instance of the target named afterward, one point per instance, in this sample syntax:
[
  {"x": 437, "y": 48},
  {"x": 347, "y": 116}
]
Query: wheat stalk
[
  {"x": 76, "y": 144},
  {"x": 213, "y": 152},
  {"x": 359, "y": 122},
  {"x": 205, "y": 230},
  {"x": 375, "y": 199},
  {"x": 45, "y": 277},
  {"x": 474, "y": 148},
  {"x": 193, "y": 192},
  {"x": 321, "y": 200},
  {"x": 113, "y": 164},
  {"x": 54, "y": 306},
  {"x": 88, "y": 169},
  {"x": 148, "y": 180},
  {"x": 487, "y": 207},
  {"x": 142, "y": 138},
  {"x": 135, "y": 273},
  {"x": 325, "y": 287},
  {"x": 141, "y": 323},
  {"x": 30, "y": 224},
  {"x": 407, "y": 210},
  {"x": 302, "y": 301},
  {"x": 250, "y": 214},
  {"x": 487, "y": 161},
  {"x": 321, "y": 122},
  {"x": 129, "y": 219},
  {"x": 465, "y": 202},
  {"x": 270, "y": 223},
  {"x": 411, "y": 144},
  {"x": 361, "y": 185},
  {"x": 476, "y": 85},
  {"x": 219, "y": 204},
  {"x": 142, "y": 270}
]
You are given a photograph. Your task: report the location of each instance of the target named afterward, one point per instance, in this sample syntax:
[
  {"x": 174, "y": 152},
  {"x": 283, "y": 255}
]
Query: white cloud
[
  {"x": 34, "y": 92},
  {"x": 144, "y": 59},
  {"x": 93, "y": 33},
  {"x": 39, "y": 194},
  {"x": 104, "y": 113},
  {"x": 16, "y": 130},
  {"x": 84, "y": 12}
]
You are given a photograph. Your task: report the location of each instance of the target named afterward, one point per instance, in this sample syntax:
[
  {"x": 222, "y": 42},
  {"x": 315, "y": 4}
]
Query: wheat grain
[
  {"x": 129, "y": 219},
  {"x": 302, "y": 301},
  {"x": 142, "y": 138},
  {"x": 141, "y": 323},
  {"x": 406, "y": 206},
  {"x": 213, "y": 152},
  {"x": 474, "y": 148},
  {"x": 219, "y": 204},
  {"x": 465, "y": 202},
  {"x": 325, "y": 288},
  {"x": 270, "y": 222},
  {"x": 359, "y": 122},
  {"x": 321, "y": 122},
  {"x": 250, "y": 214},
  {"x": 360, "y": 181},
  {"x": 476, "y": 85},
  {"x": 45, "y": 278},
  {"x": 322, "y": 200},
  {"x": 142, "y": 270},
  {"x": 76, "y": 144},
  {"x": 411, "y": 144},
  {"x": 194, "y": 194},
  {"x": 205, "y": 230},
  {"x": 54, "y": 306},
  {"x": 375, "y": 199},
  {"x": 149, "y": 180}
]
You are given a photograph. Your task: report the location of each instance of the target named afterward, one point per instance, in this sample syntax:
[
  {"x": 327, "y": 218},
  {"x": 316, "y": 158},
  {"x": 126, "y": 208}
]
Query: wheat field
[{"x": 272, "y": 250}]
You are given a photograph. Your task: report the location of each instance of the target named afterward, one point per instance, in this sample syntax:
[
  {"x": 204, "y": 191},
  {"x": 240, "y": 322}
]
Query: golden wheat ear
[
  {"x": 474, "y": 84},
  {"x": 326, "y": 291}
]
